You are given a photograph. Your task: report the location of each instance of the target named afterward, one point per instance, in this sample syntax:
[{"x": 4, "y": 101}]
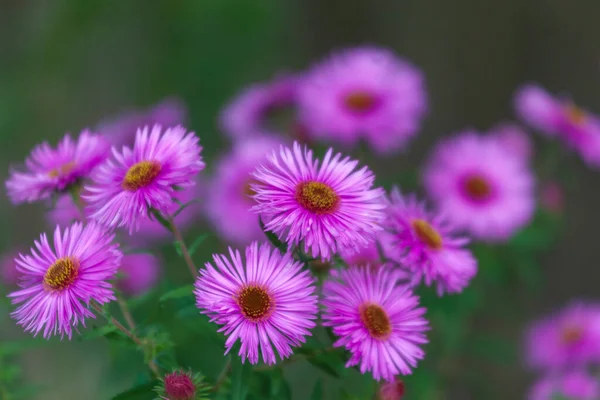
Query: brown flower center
[
  {"x": 427, "y": 234},
  {"x": 62, "y": 170},
  {"x": 62, "y": 273},
  {"x": 247, "y": 190},
  {"x": 255, "y": 303},
  {"x": 360, "y": 102},
  {"x": 477, "y": 188},
  {"x": 317, "y": 197},
  {"x": 575, "y": 114},
  {"x": 376, "y": 321},
  {"x": 140, "y": 175},
  {"x": 571, "y": 334}
]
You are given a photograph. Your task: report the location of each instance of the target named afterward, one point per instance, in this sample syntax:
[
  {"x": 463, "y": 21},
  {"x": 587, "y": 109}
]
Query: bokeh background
[{"x": 66, "y": 65}]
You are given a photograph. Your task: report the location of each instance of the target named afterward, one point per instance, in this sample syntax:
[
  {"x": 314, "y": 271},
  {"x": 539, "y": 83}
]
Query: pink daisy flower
[
  {"x": 140, "y": 273},
  {"x": 249, "y": 113},
  {"x": 427, "y": 245},
  {"x": 328, "y": 206},
  {"x": 9, "y": 276},
  {"x": 229, "y": 197},
  {"x": 574, "y": 385},
  {"x": 481, "y": 186},
  {"x": 122, "y": 129},
  {"x": 560, "y": 117},
  {"x": 55, "y": 170},
  {"x": 569, "y": 338},
  {"x": 364, "y": 93},
  {"x": 376, "y": 320},
  {"x": 125, "y": 188},
  {"x": 514, "y": 138},
  {"x": 265, "y": 301},
  {"x": 59, "y": 281},
  {"x": 370, "y": 255}
]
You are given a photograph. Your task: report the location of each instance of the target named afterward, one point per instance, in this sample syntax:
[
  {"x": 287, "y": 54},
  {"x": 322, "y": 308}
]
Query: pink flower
[
  {"x": 363, "y": 93},
  {"x": 267, "y": 300},
  {"x": 140, "y": 273},
  {"x": 9, "y": 276},
  {"x": 513, "y": 138},
  {"x": 574, "y": 385},
  {"x": 328, "y": 206},
  {"x": 376, "y": 320}
]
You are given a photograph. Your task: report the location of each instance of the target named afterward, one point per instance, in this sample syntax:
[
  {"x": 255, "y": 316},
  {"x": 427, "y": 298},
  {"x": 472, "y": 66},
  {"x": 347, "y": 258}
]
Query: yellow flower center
[
  {"x": 376, "y": 321},
  {"x": 317, "y": 197},
  {"x": 140, "y": 175},
  {"x": 255, "y": 303},
  {"x": 62, "y": 273},
  {"x": 427, "y": 234},
  {"x": 477, "y": 188},
  {"x": 62, "y": 170},
  {"x": 360, "y": 102}
]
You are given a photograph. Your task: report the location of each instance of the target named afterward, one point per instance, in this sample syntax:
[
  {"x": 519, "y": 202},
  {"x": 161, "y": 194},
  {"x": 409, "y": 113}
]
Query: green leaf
[
  {"x": 184, "y": 206},
  {"x": 140, "y": 392},
  {"x": 272, "y": 237},
  {"x": 15, "y": 347},
  {"x": 317, "y": 392},
  {"x": 326, "y": 364},
  {"x": 197, "y": 242},
  {"x": 98, "y": 332},
  {"x": 184, "y": 291},
  {"x": 239, "y": 377}
]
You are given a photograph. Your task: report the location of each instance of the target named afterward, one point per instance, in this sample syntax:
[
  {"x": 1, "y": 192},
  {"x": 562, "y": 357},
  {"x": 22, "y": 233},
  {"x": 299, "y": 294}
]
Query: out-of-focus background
[{"x": 66, "y": 65}]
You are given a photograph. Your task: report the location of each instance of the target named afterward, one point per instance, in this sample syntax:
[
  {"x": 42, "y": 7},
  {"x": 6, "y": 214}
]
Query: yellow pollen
[
  {"x": 255, "y": 303},
  {"x": 477, "y": 188},
  {"x": 427, "y": 234},
  {"x": 62, "y": 170},
  {"x": 571, "y": 334},
  {"x": 248, "y": 191},
  {"x": 376, "y": 321},
  {"x": 140, "y": 175},
  {"x": 62, "y": 273},
  {"x": 360, "y": 102},
  {"x": 575, "y": 114},
  {"x": 317, "y": 197}
]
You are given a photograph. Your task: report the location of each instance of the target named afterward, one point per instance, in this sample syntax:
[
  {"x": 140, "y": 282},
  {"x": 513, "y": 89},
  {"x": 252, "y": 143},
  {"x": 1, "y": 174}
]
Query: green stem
[
  {"x": 184, "y": 250},
  {"x": 222, "y": 376},
  {"x": 294, "y": 358}
]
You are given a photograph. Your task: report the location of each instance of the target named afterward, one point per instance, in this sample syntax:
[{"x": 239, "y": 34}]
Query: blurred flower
[
  {"x": 122, "y": 129},
  {"x": 552, "y": 197},
  {"x": 146, "y": 177},
  {"x": 376, "y": 320},
  {"x": 266, "y": 300},
  {"x": 370, "y": 255},
  {"x": 363, "y": 93},
  {"x": 329, "y": 206},
  {"x": 569, "y": 338},
  {"x": 59, "y": 281},
  {"x": 561, "y": 117},
  {"x": 574, "y": 385},
  {"x": 427, "y": 245},
  {"x": 9, "y": 276},
  {"x": 55, "y": 170},
  {"x": 481, "y": 186},
  {"x": 181, "y": 385},
  {"x": 140, "y": 272},
  {"x": 249, "y": 113},
  {"x": 229, "y": 197},
  {"x": 514, "y": 138},
  {"x": 391, "y": 390}
]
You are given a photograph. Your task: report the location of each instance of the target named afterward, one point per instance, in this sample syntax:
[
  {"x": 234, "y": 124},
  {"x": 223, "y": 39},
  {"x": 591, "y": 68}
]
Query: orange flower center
[
  {"x": 141, "y": 175},
  {"x": 62, "y": 170},
  {"x": 376, "y": 321},
  {"x": 571, "y": 334},
  {"x": 427, "y": 234},
  {"x": 62, "y": 273},
  {"x": 317, "y": 197},
  {"x": 255, "y": 303},
  {"x": 360, "y": 102},
  {"x": 477, "y": 188},
  {"x": 575, "y": 114}
]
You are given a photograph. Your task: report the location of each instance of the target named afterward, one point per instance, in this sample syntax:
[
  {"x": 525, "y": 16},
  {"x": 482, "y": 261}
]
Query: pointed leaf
[
  {"x": 317, "y": 392},
  {"x": 184, "y": 291},
  {"x": 140, "y": 392}
]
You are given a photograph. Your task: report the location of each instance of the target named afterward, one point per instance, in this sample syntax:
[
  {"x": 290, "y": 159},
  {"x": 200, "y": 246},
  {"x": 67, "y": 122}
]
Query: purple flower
[
  {"x": 370, "y": 255},
  {"x": 570, "y": 338},
  {"x": 59, "y": 281},
  {"x": 515, "y": 139},
  {"x": 560, "y": 117},
  {"x": 55, "y": 170},
  {"x": 249, "y": 112},
  {"x": 328, "y": 206},
  {"x": 229, "y": 197},
  {"x": 376, "y": 320},
  {"x": 266, "y": 301},
  {"x": 9, "y": 276},
  {"x": 141, "y": 272},
  {"x": 122, "y": 129},
  {"x": 363, "y": 93},
  {"x": 391, "y": 390},
  {"x": 427, "y": 245},
  {"x": 481, "y": 186},
  {"x": 124, "y": 189},
  {"x": 574, "y": 385}
]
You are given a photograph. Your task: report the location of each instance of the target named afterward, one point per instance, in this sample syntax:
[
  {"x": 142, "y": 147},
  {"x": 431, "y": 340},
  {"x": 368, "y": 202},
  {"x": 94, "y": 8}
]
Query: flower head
[
  {"x": 327, "y": 206},
  {"x": 147, "y": 177},
  {"x": 229, "y": 197},
  {"x": 248, "y": 114},
  {"x": 376, "y": 320},
  {"x": 377, "y": 253},
  {"x": 9, "y": 276},
  {"x": 391, "y": 390},
  {"x": 561, "y": 117},
  {"x": 364, "y": 93},
  {"x": 140, "y": 272},
  {"x": 514, "y": 139},
  {"x": 481, "y": 186},
  {"x": 265, "y": 300},
  {"x": 570, "y": 338},
  {"x": 574, "y": 385},
  {"x": 59, "y": 281},
  {"x": 182, "y": 385},
  {"x": 55, "y": 170}
]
